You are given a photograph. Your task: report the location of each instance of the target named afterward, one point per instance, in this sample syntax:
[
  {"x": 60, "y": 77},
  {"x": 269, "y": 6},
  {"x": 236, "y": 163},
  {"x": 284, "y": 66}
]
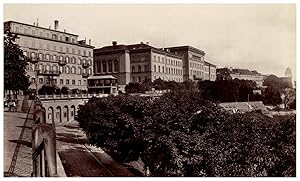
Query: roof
[
  {"x": 190, "y": 48},
  {"x": 238, "y": 71},
  {"x": 41, "y": 27},
  {"x": 102, "y": 77},
  {"x": 207, "y": 63},
  {"x": 243, "y": 106},
  {"x": 132, "y": 48}
]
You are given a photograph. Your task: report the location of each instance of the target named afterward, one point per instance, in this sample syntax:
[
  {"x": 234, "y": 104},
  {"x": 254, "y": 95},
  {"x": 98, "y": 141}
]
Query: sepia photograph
[{"x": 149, "y": 90}]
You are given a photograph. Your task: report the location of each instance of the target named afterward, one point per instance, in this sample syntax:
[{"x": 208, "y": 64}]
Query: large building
[
  {"x": 242, "y": 74},
  {"x": 137, "y": 62},
  {"x": 56, "y": 54},
  {"x": 195, "y": 67}
]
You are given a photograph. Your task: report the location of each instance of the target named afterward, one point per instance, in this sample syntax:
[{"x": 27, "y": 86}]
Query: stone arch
[
  {"x": 66, "y": 113},
  {"x": 58, "y": 114},
  {"x": 73, "y": 112},
  {"x": 50, "y": 114}
]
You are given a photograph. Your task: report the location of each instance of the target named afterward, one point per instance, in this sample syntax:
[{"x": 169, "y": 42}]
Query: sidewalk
[
  {"x": 17, "y": 152},
  {"x": 82, "y": 160}
]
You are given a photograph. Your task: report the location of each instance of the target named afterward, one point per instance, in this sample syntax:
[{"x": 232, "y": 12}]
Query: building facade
[
  {"x": 210, "y": 71},
  {"x": 242, "y": 74},
  {"x": 193, "y": 62},
  {"x": 137, "y": 62},
  {"x": 56, "y": 54}
]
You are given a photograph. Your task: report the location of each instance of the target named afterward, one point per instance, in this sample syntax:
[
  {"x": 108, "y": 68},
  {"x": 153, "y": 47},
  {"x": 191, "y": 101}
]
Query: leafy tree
[
  {"x": 277, "y": 83},
  {"x": 14, "y": 65},
  {"x": 134, "y": 88},
  {"x": 180, "y": 134},
  {"x": 65, "y": 90},
  {"x": 271, "y": 96},
  {"x": 49, "y": 89}
]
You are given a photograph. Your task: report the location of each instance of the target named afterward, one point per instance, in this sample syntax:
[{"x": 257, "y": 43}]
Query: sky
[{"x": 258, "y": 37}]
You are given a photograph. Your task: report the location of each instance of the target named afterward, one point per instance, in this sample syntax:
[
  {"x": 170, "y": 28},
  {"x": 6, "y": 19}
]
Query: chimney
[
  {"x": 37, "y": 22},
  {"x": 89, "y": 41},
  {"x": 142, "y": 42},
  {"x": 49, "y": 27},
  {"x": 147, "y": 42},
  {"x": 114, "y": 43},
  {"x": 33, "y": 23},
  {"x": 55, "y": 25}
]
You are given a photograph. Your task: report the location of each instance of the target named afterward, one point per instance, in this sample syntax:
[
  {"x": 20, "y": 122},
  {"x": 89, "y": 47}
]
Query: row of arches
[{"x": 60, "y": 114}]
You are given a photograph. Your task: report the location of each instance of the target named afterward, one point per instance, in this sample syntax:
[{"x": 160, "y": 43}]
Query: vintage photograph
[{"x": 149, "y": 90}]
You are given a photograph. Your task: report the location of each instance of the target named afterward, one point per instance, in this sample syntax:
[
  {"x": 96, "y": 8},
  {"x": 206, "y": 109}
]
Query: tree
[
  {"x": 14, "y": 65},
  {"x": 180, "y": 134},
  {"x": 288, "y": 96},
  {"x": 65, "y": 90},
  {"x": 271, "y": 96},
  {"x": 134, "y": 88}
]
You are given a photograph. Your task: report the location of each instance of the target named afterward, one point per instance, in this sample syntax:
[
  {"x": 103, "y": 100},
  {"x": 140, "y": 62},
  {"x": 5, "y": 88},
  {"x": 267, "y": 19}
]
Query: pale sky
[{"x": 257, "y": 37}]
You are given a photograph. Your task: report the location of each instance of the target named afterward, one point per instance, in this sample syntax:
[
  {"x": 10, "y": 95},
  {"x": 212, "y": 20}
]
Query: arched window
[
  {"x": 90, "y": 71},
  {"x": 139, "y": 68},
  {"x": 133, "y": 69},
  {"x": 110, "y": 66},
  {"x": 116, "y": 66},
  {"x": 73, "y": 70},
  {"x": 79, "y": 71},
  {"x": 104, "y": 66},
  {"x": 98, "y": 67}
]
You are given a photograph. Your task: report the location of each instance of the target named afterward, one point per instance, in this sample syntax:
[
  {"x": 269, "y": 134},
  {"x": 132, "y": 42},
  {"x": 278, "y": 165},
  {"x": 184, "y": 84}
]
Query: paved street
[
  {"x": 14, "y": 123},
  {"x": 82, "y": 160}
]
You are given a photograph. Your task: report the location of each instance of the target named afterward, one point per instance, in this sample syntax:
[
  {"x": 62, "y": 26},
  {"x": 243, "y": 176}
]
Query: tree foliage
[
  {"x": 181, "y": 134},
  {"x": 14, "y": 65}
]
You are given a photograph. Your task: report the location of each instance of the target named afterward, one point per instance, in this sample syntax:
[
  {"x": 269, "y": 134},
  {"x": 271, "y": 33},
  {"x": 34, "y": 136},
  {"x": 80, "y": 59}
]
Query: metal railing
[{"x": 43, "y": 144}]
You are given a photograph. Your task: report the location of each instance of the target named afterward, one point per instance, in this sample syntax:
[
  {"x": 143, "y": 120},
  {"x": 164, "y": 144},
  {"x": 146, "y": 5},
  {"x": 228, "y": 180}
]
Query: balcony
[
  {"x": 34, "y": 60},
  {"x": 49, "y": 72},
  {"x": 85, "y": 65},
  {"x": 85, "y": 75},
  {"x": 62, "y": 62}
]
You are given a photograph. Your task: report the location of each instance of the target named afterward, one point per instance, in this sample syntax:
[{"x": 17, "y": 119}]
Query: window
[
  {"x": 67, "y": 49},
  {"x": 98, "y": 67},
  {"x": 73, "y": 82},
  {"x": 110, "y": 66},
  {"x": 79, "y": 82},
  {"x": 73, "y": 40},
  {"x": 104, "y": 66},
  {"x": 60, "y": 38},
  {"x": 84, "y": 82},
  {"x": 133, "y": 79},
  {"x": 154, "y": 68},
  {"x": 61, "y": 49},
  {"x": 73, "y": 70},
  {"x": 25, "y": 31},
  {"x": 84, "y": 53},
  {"x": 47, "y": 57},
  {"x": 89, "y": 54},
  {"x": 67, "y": 39},
  {"x": 67, "y": 70},
  {"x": 158, "y": 68},
  {"x": 158, "y": 59},
  {"x": 163, "y": 69},
  {"x": 145, "y": 68},
  {"x": 154, "y": 58},
  {"x": 116, "y": 66},
  {"x": 133, "y": 69},
  {"x": 139, "y": 79},
  {"x": 139, "y": 68},
  {"x": 33, "y": 80},
  {"x": 73, "y": 50},
  {"x": 54, "y": 36},
  {"x": 78, "y": 52},
  {"x": 40, "y": 80},
  {"x": 67, "y": 81}
]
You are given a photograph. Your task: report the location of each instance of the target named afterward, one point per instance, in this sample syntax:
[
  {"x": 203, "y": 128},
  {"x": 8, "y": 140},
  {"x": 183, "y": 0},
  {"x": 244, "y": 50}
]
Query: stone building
[
  {"x": 193, "y": 61},
  {"x": 242, "y": 74},
  {"x": 54, "y": 53},
  {"x": 136, "y": 62},
  {"x": 210, "y": 71}
]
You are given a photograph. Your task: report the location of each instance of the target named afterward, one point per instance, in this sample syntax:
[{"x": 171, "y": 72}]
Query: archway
[
  {"x": 58, "y": 114},
  {"x": 73, "y": 112},
  {"x": 50, "y": 114},
  {"x": 66, "y": 113}
]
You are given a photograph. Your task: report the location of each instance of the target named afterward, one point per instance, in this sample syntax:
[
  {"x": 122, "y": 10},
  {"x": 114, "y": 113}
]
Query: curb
[{"x": 60, "y": 169}]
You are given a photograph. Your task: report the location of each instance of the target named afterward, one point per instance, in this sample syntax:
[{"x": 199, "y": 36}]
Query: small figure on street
[{"x": 12, "y": 105}]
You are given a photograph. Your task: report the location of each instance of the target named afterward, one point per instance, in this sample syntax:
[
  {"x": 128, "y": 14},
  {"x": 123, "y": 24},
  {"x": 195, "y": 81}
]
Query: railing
[
  {"x": 71, "y": 96},
  {"x": 85, "y": 65},
  {"x": 85, "y": 75},
  {"x": 62, "y": 62},
  {"x": 43, "y": 144},
  {"x": 49, "y": 72}
]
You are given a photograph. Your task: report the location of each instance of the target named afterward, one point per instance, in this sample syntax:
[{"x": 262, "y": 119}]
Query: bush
[{"x": 180, "y": 134}]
